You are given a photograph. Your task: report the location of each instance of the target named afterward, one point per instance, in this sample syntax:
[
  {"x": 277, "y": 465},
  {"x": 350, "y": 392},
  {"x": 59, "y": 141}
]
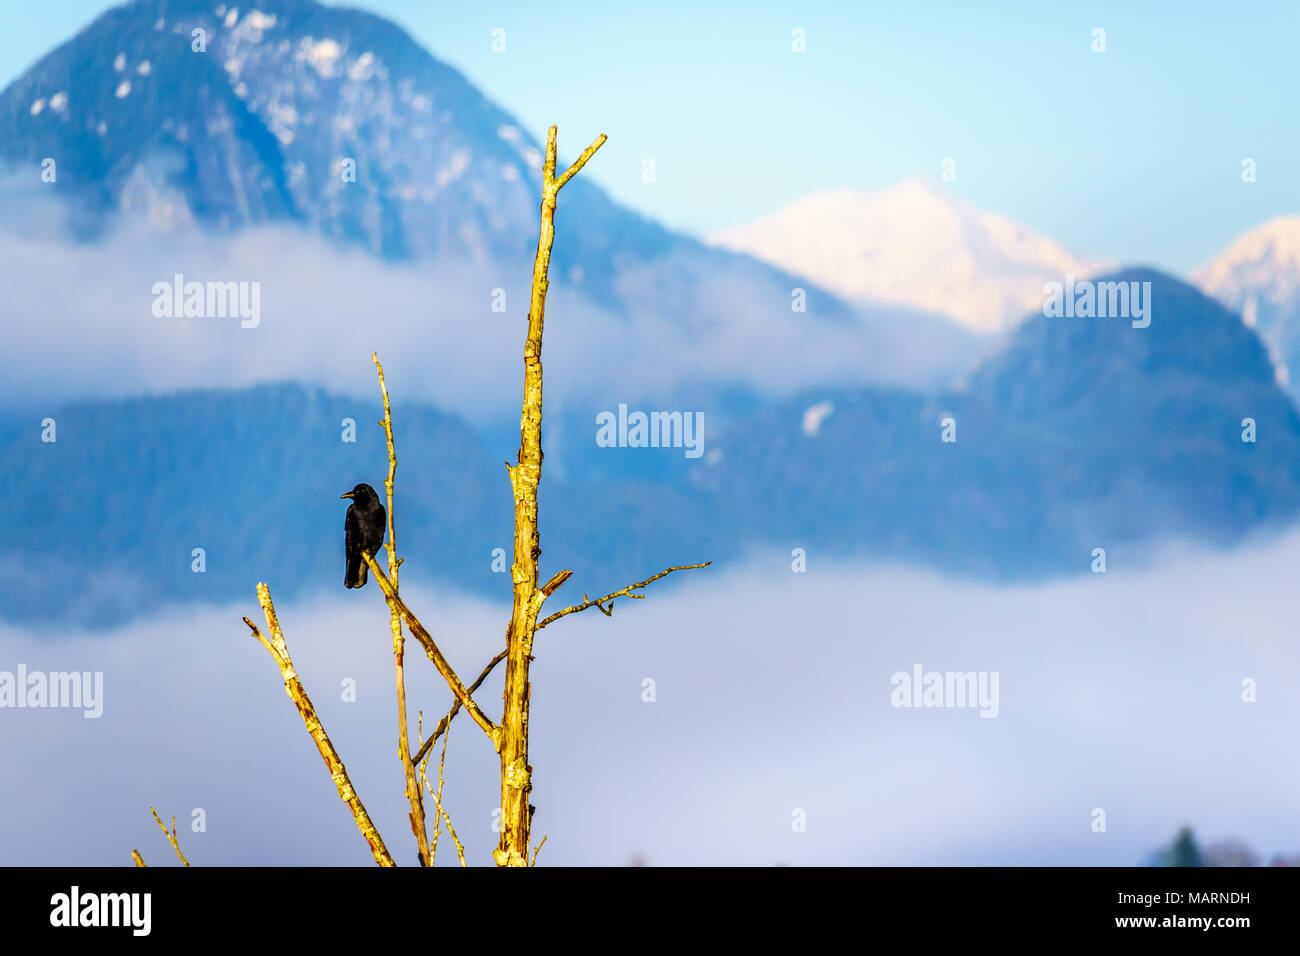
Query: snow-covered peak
[
  {"x": 1260, "y": 265},
  {"x": 914, "y": 244},
  {"x": 1258, "y": 275}
]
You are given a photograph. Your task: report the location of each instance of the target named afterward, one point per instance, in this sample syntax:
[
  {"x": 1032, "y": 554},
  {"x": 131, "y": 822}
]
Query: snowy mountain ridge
[{"x": 915, "y": 245}]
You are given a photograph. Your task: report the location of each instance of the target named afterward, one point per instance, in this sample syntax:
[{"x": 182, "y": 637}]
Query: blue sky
[{"x": 1133, "y": 154}]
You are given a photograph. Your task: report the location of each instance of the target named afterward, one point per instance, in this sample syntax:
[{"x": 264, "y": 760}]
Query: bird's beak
[{"x": 348, "y": 495}]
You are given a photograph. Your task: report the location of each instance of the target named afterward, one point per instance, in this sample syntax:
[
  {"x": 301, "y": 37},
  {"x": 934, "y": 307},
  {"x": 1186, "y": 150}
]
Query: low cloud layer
[
  {"x": 772, "y": 695},
  {"x": 80, "y": 322}
]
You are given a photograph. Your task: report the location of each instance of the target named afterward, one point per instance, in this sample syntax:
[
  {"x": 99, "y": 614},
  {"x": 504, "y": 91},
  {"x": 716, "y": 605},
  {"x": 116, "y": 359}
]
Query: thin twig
[
  {"x": 455, "y": 708},
  {"x": 608, "y": 598},
  {"x": 424, "y": 782},
  {"x": 538, "y": 849},
  {"x": 170, "y": 835},
  {"x": 298, "y": 694},
  {"x": 460, "y": 849},
  {"x": 139, "y": 860},
  {"x": 439, "y": 813},
  {"x": 414, "y": 795},
  {"x": 491, "y": 665},
  {"x": 442, "y": 810}
]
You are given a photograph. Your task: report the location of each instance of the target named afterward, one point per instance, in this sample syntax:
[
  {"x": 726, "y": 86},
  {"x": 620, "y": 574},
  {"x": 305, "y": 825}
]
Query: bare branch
[
  {"x": 538, "y": 849},
  {"x": 414, "y": 795},
  {"x": 298, "y": 694},
  {"x": 430, "y": 648},
  {"x": 608, "y": 598},
  {"x": 139, "y": 860}
]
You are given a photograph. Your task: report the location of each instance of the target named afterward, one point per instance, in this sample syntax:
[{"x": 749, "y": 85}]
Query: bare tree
[{"x": 509, "y": 737}]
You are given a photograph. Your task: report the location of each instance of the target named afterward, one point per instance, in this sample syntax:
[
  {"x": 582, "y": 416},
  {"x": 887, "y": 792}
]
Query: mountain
[
  {"x": 290, "y": 96},
  {"x": 1082, "y": 433},
  {"x": 174, "y": 161},
  {"x": 1258, "y": 275},
  {"x": 1079, "y": 434},
  {"x": 914, "y": 245},
  {"x": 104, "y": 520}
]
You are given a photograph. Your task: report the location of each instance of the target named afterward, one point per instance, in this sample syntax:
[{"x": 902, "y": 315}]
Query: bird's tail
[{"x": 356, "y": 574}]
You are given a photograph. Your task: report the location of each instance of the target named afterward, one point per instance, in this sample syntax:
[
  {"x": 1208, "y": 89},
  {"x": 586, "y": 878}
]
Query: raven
[{"x": 363, "y": 530}]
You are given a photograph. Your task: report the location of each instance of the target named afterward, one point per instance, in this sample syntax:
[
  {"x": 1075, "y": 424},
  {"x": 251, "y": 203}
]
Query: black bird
[{"x": 363, "y": 530}]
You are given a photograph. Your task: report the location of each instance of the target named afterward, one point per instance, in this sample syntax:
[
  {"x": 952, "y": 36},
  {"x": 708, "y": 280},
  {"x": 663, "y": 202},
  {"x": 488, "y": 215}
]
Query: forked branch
[
  {"x": 600, "y": 602},
  {"x": 170, "y": 835},
  {"x": 581, "y": 161},
  {"x": 550, "y": 587}
]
